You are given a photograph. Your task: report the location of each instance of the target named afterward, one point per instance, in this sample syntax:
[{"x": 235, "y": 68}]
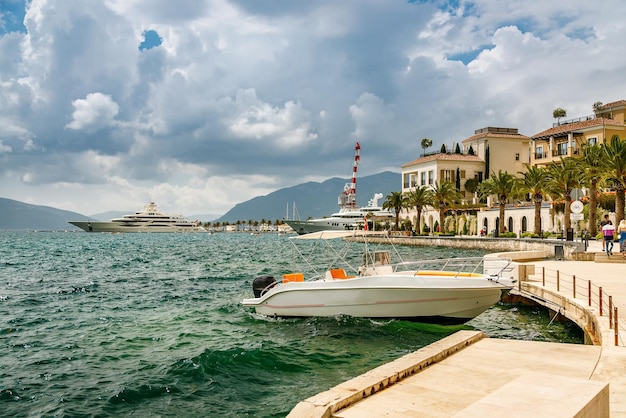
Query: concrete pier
[{"x": 470, "y": 375}]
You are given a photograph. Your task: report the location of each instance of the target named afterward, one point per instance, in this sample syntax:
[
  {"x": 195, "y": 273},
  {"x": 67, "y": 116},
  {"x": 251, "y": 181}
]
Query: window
[
  {"x": 431, "y": 177},
  {"x": 562, "y": 148},
  {"x": 593, "y": 140},
  {"x": 406, "y": 182},
  {"x": 423, "y": 178},
  {"x": 462, "y": 174},
  {"x": 447, "y": 175},
  {"x": 539, "y": 152},
  {"x": 517, "y": 156}
]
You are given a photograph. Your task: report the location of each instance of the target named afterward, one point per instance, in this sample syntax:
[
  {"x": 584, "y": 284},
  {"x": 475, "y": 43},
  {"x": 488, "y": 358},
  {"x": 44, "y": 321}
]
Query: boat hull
[
  {"x": 317, "y": 225},
  {"x": 97, "y": 226},
  {"x": 426, "y": 299}
]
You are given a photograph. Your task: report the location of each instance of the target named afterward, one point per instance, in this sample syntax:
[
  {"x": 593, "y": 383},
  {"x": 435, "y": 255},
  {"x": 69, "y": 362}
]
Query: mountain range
[{"x": 312, "y": 199}]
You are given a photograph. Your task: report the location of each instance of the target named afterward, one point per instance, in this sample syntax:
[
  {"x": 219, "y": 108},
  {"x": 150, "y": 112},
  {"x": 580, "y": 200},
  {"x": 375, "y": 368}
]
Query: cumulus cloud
[
  {"x": 234, "y": 92},
  {"x": 94, "y": 112}
]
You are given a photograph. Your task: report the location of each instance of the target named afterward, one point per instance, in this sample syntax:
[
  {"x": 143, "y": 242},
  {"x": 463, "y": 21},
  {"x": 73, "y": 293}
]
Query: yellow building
[
  {"x": 566, "y": 138},
  {"x": 507, "y": 149}
]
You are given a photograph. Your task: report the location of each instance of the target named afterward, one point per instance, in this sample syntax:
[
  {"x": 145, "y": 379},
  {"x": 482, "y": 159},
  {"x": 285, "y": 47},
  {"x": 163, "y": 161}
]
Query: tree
[
  {"x": 396, "y": 201},
  {"x": 443, "y": 149},
  {"x": 470, "y": 150},
  {"x": 457, "y": 149},
  {"x": 535, "y": 181},
  {"x": 419, "y": 198},
  {"x": 615, "y": 165},
  {"x": 593, "y": 174},
  {"x": 457, "y": 180},
  {"x": 596, "y": 106},
  {"x": 502, "y": 185},
  {"x": 426, "y": 143},
  {"x": 471, "y": 185},
  {"x": 487, "y": 167},
  {"x": 559, "y": 113},
  {"x": 564, "y": 177},
  {"x": 444, "y": 195}
]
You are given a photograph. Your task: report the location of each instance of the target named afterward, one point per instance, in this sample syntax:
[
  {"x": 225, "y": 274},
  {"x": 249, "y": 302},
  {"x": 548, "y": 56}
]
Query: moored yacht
[
  {"x": 149, "y": 219},
  {"x": 350, "y": 216}
]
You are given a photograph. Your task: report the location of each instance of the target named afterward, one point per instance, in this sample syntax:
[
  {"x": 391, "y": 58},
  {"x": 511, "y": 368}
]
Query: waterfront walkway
[{"x": 470, "y": 375}]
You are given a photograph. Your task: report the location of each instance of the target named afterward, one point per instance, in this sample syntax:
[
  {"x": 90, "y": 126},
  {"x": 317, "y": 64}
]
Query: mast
[{"x": 347, "y": 198}]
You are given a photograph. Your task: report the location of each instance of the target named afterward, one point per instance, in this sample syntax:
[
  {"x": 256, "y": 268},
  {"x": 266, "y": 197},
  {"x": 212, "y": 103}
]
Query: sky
[{"x": 202, "y": 104}]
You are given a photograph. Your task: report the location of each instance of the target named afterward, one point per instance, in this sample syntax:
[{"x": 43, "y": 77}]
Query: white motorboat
[
  {"x": 350, "y": 216},
  {"x": 382, "y": 285},
  {"x": 149, "y": 219}
]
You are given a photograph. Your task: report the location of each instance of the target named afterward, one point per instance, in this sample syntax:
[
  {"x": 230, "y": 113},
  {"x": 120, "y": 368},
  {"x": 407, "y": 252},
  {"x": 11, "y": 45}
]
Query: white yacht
[
  {"x": 149, "y": 219},
  {"x": 347, "y": 218}
]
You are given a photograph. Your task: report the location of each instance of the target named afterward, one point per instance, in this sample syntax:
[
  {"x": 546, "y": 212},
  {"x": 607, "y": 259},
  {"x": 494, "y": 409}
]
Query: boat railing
[{"x": 492, "y": 266}]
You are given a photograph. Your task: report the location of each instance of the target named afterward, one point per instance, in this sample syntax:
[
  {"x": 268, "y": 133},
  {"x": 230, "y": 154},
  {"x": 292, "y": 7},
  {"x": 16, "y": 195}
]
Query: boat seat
[
  {"x": 293, "y": 277},
  {"x": 339, "y": 274}
]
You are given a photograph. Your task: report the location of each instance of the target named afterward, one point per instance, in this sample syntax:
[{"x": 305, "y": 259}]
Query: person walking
[
  {"x": 621, "y": 234},
  {"x": 608, "y": 231},
  {"x": 602, "y": 223}
]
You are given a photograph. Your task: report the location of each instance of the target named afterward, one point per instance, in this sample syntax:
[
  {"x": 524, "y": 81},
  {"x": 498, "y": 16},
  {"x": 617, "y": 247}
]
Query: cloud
[
  {"x": 94, "y": 112},
  {"x": 224, "y": 104}
]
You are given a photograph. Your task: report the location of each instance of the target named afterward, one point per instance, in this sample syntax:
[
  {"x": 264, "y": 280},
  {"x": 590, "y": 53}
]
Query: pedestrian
[
  {"x": 621, "y": 233},
  {"x": 608, "y": 231},
  {"x": 602, "y": 223}
]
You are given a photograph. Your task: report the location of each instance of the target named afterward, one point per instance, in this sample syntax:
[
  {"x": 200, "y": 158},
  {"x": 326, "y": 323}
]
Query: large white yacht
[
  {"x": 350, "y": 216},
  {"x": 345, "y": 219},
  {"x": 149, "y": 219}
]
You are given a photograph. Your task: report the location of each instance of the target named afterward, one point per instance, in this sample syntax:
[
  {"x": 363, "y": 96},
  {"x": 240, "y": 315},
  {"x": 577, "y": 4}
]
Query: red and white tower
[{"x": 347, "y": 198}]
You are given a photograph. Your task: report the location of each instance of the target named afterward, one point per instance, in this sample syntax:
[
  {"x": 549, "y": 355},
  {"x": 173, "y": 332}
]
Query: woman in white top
[{"x": 621, "y": 234}]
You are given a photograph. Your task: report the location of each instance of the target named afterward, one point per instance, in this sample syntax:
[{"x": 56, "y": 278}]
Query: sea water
[{"x": 151, "y": 325}]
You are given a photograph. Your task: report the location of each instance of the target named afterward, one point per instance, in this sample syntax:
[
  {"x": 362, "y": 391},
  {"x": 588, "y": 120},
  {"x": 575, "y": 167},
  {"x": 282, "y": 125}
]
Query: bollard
[
  {"x": 610, "y": 312},
  {"x": 589, "y": 292},
  {"x": 600, "y": 297},
  {"x": 558, "y": 281},
  {"x": 616, "y": 327},
  {"x": 574, "y": 285},
  {"x": 543, "y": 276}
]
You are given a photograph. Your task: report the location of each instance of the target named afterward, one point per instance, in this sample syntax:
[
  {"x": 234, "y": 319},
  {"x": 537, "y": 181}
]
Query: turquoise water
[{"x": 151, "y": 325}]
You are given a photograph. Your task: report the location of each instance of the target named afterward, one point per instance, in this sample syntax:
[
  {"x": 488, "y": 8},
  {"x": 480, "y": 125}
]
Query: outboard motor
[{"x": 262, "y": 283}]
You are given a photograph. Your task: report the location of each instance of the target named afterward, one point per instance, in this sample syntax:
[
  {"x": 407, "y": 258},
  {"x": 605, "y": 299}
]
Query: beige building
[
  {"x": 566, "y": 138},
  {"x": 506, "y": 149}
]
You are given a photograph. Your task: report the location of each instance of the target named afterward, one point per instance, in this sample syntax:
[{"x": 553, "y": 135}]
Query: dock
[{"x": 468, "y": 374}]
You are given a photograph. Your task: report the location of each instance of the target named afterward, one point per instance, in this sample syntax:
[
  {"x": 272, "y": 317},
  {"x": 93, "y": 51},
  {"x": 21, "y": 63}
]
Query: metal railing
[{"x": 588, "y": 294}]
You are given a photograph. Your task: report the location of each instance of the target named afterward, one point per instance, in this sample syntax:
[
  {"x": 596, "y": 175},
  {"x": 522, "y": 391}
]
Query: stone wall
[{"x": 548, "y": 246}]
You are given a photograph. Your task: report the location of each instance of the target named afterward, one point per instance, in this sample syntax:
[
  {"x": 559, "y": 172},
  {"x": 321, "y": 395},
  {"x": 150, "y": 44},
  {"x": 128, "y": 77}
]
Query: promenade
[{"x": 470, "y": 375}]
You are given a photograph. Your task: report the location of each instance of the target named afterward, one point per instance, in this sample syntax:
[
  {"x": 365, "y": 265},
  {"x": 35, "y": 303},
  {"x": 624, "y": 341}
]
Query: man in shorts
[{"x": 608, "y": 231}]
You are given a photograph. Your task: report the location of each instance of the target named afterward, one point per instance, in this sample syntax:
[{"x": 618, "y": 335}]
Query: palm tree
[
  {"x": 615, "y": 164},
  {"x": 502, "y": 185},
  {"x": 564, "y": 176},
  {"x": 396, "y": 201},
  {"x": 559, "y": 113},
  {"x": 593, "y": 174},
  {"x": 444, "y": 194},
  {"x": 426, "y": 143},
  {"x": 419, "y": 198},
  {"x": 535, "y": 181}
]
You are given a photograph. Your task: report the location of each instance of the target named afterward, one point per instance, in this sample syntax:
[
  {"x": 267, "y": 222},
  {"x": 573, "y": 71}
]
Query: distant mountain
[
  {"x": 312, "y": 199},
  {"x": 16, "y": 215}
]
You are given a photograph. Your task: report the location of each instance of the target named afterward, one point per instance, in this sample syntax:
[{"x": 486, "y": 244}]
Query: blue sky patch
[
  {"x": 469, "y": 56},
  {"x": 150, "y": 39},
  {"x": 12, "y": 14}
]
